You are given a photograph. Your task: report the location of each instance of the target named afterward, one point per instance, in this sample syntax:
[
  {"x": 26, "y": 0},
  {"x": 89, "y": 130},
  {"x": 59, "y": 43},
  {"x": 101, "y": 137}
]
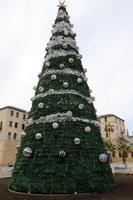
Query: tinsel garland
[
  {"x": 60, "y": 26},
  {"x": 57, "y": 92},
  {"x": 65, "y": 71},
  {"x": 60, "y": 53},
  {"x": 60, "y": 40},
  {"x": 61, "y": 117}
]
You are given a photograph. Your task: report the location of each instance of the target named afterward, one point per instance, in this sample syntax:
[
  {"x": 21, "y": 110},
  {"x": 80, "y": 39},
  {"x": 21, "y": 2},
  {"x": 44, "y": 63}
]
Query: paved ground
[{"x": 123, "y": 191}]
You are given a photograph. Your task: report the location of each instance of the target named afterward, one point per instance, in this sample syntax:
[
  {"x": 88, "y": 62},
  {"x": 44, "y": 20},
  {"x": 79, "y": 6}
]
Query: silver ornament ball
[
  {"x": 103, "y": 157},
  {"x": 77, "y": 141},
  {"x": 79, "y": 80},
  {"x": 55, "y": 125},
  {"x": 41, "y": 89},
  {"x": 71, "y": 60},
  {"x": 23, "y": 134},
  {"x": 41, "y": 105},
  {"x": 61, "y": 66},
  {"x": 81, "y": 106},
  {"x": 69, "y": 114},
  {"x": 27, "y": 152},
  {"x": 87, "y": 129},
  {"x": 65, "y": 84},
  {"x": 62, "y": 153},
  {"x": 47, "y": 64},
  {"x": 38, "y": 136},
  {"x": 53, "y": 77}
]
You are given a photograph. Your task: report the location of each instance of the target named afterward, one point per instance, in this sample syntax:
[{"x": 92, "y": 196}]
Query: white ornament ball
[
  {"x": 77, "y": 141},
  {"x": 90, "y": 91},
  {"x": 34, "y": 87},
  {"x": 90, "y": 101},
  {"x": 87, "y": 129},
  {"x": 51, "y": 91},
  {"x": 65, "y": 84},
  {"x": 81, "y": 106},
  {"x": 62, "y": 153},
  {"x": 30, "y": 121},
  {"x": 53, "y": 77},
  {"x": 93, "y": 98},
  {"x": 32, "y": 99},
  {"x": 84, "y": 70},
  {"x": 71, "y": 60},
  {"x": 69, "y": 114},
  {"x": 55, "y": 125},
  {"x": 27, "y": 152},
  {"x": 103, "y": 157},
  {"x": 41, "y": 105},
  {"x": 61, "y": 66},
  {"x": 65, "y": 46},
  {"x": 23, "y": 134},
  {"x": 66, "y": 33},
  {"x": 41, "y": 89},
  {"x": 47, "y": 64},
  {"x": 86, "y": 79},
  {"x": 79, "y": 80},
  {"x": 50, "y": 50},
  {"x": 97, "y": 124},
  {"x": 38, "y": 136}
]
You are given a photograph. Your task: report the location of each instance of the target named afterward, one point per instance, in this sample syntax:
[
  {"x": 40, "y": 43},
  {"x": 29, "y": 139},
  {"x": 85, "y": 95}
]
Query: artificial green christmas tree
[{"x": 61, "y": 149}]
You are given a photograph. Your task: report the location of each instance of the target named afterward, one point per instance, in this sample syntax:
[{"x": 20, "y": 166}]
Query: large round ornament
[
  {"x": 69, "y": 114},
  {"x": 79, "y": 80},
  {"x": 38, "y": 136},
  {"x": 81, "y": 106},
  {"x": 64, "y": 46},
  {"x": 27, "y": 152},
  {"x": 62, "y": 153},
  {"x": 87, "y": 129},
  {"x": 51, "y": 91},
  {"x": 71, "y": 60},
  {"x": 66, "y": 33},
  {"x": 23, "y": 134},
  {"x": 34, "y": 87},
  {"x": 41, "y": 105},
  {"x": 103, "y": 157},
  {"x": 47, "y": 64},
  {"x": 77, "y": 141},
  {"x": 97, "y": 124},
  {"x": 65, "y": 84},
  {"x": 30, "y": 121},
  {"x": 55, "y": 125},
  {"x": 61, "y": 66},
  {"x": 84, "y": 70},
  {"x": 53, "y": 77},
  {"x": 41, "y": 89}
]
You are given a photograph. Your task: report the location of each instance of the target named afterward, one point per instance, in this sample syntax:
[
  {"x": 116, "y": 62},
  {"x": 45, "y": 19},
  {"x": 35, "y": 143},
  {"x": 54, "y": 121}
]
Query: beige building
[
  {"x": 12, "y": 123},
  {"x": 113, "y": 130}
]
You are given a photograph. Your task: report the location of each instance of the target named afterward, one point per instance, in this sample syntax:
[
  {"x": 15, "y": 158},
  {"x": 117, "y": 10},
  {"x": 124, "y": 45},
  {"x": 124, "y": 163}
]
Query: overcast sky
[{"x": 104, "y": 34}]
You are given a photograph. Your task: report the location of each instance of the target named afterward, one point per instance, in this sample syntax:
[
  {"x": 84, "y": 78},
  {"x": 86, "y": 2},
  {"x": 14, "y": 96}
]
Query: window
[
  {"x": 9, "y": 136},
  {"x": 23, "y": 126},
  {"x": 11, "y": 113},
  {"x": 24, "y": 116},
  {"x": 105, "y": 119},
  {"x": 10, "y": 123},
  {"x": 120, "y": 154},
  {"x": 132, "y": 154},
  {"x": 14, "y": 136},
  {"x": 113, "y": 154},
  {"x": 1, "y": 125},
  {"x": 106, "y": 134},
  {"x": 16, "y": 125},
  {"x": 17, "y": 114}
]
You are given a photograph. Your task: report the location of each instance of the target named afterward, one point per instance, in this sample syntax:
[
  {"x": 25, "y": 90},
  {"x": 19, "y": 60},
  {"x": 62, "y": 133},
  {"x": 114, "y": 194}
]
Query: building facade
[
  {"x": 12, "y": 123},
  {"x": 113, "y": 130}
]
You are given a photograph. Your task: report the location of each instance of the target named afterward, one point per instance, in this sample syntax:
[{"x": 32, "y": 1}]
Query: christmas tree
[{"x": 61, "y": 149}]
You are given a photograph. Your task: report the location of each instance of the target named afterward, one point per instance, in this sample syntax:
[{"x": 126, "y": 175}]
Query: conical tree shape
[{"x": 61, "y": 149}]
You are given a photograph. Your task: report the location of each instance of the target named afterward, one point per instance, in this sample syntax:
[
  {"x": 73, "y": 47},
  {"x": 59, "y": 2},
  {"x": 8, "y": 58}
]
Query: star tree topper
[{"x": 62, "y": 4}]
